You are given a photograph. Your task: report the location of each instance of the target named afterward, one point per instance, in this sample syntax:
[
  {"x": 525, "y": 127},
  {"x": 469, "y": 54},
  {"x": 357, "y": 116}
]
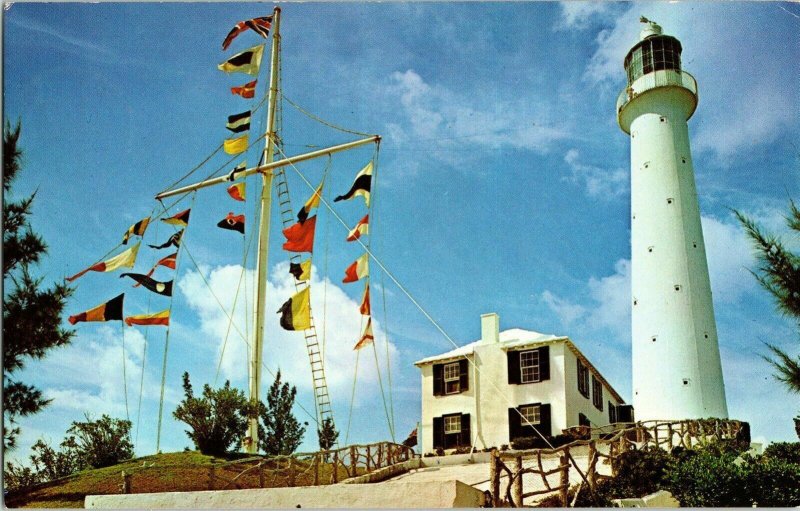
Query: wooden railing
[
  {"x": 604, "y": 445},
  {"x": 300, "y": 469}
]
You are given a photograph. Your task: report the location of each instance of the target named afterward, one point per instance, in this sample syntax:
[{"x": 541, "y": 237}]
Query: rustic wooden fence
[
  {"x": 603, "y": 445},
  {"x": 301, "y": 469}
]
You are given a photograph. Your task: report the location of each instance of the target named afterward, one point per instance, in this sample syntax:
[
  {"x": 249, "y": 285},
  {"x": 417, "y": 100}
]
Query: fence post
[
  {"x": 212, "y": 476},
  {"x": 564, "y": 460},
  {"x": 291, "y": 471},
  {"x": 353, "y": 460},
  {"x": 494, "y": 477},
  {"x": 380, "y": 454},
  {"x": 592, "y": 472},
  {"x": 261, "y": 474},
  {"x": 368, "y": 459},
  {"x": 316, "y": 469},
  {"x": 126, "y": 482},
  {"x": 336, "y": 466},
  {"x": 517, "y": 490}
]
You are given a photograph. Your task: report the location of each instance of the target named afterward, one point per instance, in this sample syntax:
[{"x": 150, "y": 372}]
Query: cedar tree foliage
[
  {"x": 327, "y": 434},
  {"x": 779, "y": 273},
  {"x": 31, "y": 313},
  {"x": 218, "y": 419},
  {"x": 280, "y": 433}
]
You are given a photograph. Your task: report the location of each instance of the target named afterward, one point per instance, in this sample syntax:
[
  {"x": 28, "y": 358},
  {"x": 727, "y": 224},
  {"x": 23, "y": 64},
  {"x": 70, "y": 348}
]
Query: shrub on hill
[
  {"x": 218, "y": 419},
  {"x": 786, "y": 451}
]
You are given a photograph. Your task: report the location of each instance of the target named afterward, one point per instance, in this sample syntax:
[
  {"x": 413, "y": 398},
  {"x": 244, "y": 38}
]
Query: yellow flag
[
  {"x": 235, "y": 145},
  {"x": 125, "y": 259},
  {"x": 296, "y": 312}
]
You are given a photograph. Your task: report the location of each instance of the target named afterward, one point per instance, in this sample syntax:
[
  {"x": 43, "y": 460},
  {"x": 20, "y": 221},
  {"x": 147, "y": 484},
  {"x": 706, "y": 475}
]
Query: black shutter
[
  {"x": 463, "y": 367},
  {"x": 545, "y": 427},
  {"x": 580, "y": 375},
  {"x": 625, "y": 413},
  {"x": 438, "y": 379},
  {"x": 438, "y": 432},
  {"x": 544, "y": 363},
  {"x": 466, "y": 438},
  {"x": 612, "y": 413},
  {"x": 513, "y": 367},
  {"x": 513, "y": 424}
]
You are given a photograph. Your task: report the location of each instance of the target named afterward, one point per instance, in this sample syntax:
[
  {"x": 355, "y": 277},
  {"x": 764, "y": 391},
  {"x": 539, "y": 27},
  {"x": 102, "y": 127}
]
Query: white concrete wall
[
  {"x": 576, "y": 403},
  {"x": 391, "y": 495},
  {"x": 667, "y": 250}
]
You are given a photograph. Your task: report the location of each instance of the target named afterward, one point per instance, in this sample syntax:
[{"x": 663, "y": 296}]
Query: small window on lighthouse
[
  {"x": 653, "y": 339},
  {"x": 694, "y": 244},
  {"x": 683, "y": 160},
  {"x": 677, "y": 287},
  {"x": 635, "y": 302},
  {"x": 687, "y": 381},
  {"x": 650, "y": 249},
  {"x": 670, "y": 200},
  {"x": 647, "y": 164},
  {"x": 663, "y": 119},
  {"x": 706, "y": 335}
]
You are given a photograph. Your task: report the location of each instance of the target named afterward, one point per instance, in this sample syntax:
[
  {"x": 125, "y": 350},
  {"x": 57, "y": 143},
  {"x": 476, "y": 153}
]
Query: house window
[
  {"x": 529, "y": 366},
  {"x": 597, "y": 393},
  {"x": 452, "y": 424},
  {"x": 612, "y": 413},
  {"x": 531, "y": 414},
  {"x": 583, "y": 379},
  {"x": 452, "y": 377},
  {"x": 583, "y": 420}
]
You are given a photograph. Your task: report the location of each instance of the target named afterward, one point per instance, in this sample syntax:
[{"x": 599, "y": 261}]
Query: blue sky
[{"x": 502, "y": 186}]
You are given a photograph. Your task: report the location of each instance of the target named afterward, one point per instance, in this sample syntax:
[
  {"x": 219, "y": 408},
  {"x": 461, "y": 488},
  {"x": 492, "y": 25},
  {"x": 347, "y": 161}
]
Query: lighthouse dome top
[{"x": 651, "y": 28}]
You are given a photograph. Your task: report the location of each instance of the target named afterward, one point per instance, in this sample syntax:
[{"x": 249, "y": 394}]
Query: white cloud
[
  {"x": 608, "y": 307},
  {"x": 577, "y": 14},
  {"x": 285, "y": 350},
  {"x": 87, "y": 375},
  {"x": 567, "y": 311},
  {"x": 729, "y": 257},
  {"x": 738, "y": 110},
  {"x": 598, "y": 182},
  {"x": 451, "y": 122}
]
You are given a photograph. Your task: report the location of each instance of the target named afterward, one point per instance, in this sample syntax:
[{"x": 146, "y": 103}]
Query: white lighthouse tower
[{"x": 677, "y": 372}]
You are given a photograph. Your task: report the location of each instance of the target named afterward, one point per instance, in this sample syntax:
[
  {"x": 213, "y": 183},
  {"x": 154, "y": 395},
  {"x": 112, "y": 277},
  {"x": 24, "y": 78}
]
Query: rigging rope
[
  {"x": 144, "y": 352},
  {"x": 322, "y": 121},
  {"x": 233, "y": 308},
  {"x": 352, "y": 398},
  {"x": 125, "y": 374},
  {"x": 376, "y": 159},
  {"x": 166, "y": 337}
]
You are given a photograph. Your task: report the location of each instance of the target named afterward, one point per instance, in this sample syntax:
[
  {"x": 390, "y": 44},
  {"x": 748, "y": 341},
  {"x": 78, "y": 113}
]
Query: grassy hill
[{"x": 178, "y": 471}]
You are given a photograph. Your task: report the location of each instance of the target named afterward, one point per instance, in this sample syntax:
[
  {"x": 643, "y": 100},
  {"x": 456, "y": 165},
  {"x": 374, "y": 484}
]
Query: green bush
[
  {"x": 218, "y": 419},
  {"x": 786, "y": 451},
  {"x": 773, "y": 483},
  {"x": 707, "y": 479}
]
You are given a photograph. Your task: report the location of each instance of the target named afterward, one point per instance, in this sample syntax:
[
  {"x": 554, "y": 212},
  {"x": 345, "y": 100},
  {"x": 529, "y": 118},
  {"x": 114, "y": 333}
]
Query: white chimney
[{"x": 490, "y": 328}]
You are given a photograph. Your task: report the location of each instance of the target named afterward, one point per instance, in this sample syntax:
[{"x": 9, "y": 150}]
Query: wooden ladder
[{"x": 322, "y": 400}]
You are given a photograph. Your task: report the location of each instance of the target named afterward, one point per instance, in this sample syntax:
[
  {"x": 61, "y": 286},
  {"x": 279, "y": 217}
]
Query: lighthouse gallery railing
[{"x": 660, "y": 78}]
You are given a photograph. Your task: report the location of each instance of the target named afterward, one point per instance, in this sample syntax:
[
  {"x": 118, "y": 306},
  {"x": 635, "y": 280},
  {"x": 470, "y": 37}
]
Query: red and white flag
[
  {"x": 361, "y": 228},
  {"x": 366, "y": 337},
  {"x": 365, "y": 307},
  {"x": 358, "y": 270}
]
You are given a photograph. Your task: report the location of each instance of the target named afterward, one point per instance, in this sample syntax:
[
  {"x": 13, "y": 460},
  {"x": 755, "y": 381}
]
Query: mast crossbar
[{"x": 268, "y": 167}]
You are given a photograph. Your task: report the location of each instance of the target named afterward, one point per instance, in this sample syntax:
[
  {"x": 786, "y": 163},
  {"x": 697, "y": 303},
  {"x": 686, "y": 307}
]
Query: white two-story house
[{"x": 497, "y": 389}]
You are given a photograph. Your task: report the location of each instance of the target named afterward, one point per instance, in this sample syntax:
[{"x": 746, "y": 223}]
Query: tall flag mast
[{"x": 251, "y": 437}]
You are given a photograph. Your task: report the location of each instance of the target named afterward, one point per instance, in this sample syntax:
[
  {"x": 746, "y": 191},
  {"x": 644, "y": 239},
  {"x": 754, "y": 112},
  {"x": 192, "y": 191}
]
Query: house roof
[{"x": 516, "y": 338}]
